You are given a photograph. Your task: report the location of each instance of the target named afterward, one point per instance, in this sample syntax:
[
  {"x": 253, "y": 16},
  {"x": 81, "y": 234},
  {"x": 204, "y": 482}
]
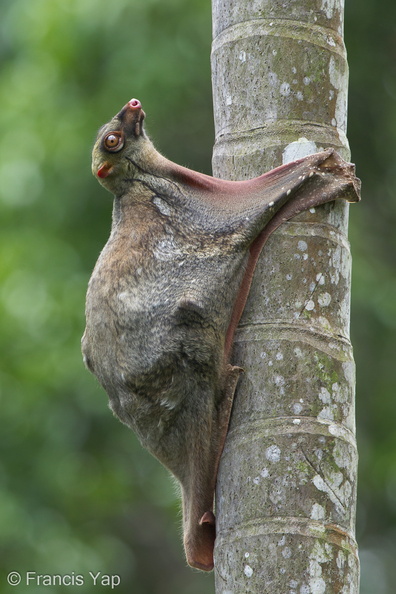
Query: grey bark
[{"x": 286, "y": 492}]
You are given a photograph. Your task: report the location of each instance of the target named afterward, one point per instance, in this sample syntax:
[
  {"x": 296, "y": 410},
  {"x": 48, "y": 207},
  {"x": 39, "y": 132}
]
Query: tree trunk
[{"x": 286, "y": 492}]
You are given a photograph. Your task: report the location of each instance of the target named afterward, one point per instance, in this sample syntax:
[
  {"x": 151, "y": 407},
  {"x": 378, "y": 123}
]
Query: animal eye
[{"x": 113, "y": 141}]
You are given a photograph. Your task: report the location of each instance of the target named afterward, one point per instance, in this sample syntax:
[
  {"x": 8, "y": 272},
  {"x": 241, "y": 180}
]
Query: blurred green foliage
[
  {"x": 370, "y": 35},
  {"x": 78, "y": 493}
]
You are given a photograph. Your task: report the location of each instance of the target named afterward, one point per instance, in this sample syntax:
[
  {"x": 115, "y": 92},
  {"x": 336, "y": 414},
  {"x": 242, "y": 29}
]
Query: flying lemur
[{"x": 167, "y": 293}]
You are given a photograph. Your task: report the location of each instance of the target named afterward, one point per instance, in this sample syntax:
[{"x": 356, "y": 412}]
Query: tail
[{"x": 207, "y": 442}]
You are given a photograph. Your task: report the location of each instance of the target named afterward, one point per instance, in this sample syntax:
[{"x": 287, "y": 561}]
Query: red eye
[{"x": 113, "y": 141}]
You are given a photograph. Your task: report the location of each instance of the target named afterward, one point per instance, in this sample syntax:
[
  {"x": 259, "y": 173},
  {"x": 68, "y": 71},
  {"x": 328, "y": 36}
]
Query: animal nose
[{"x": 134, "y": 104}]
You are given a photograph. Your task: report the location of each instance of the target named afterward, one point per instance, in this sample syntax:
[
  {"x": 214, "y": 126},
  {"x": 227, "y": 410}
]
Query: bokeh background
[{"x": 78, "y": 493}]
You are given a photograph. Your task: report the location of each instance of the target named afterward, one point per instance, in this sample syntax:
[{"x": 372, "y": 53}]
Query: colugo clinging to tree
[{"x": 167, "y": 293}]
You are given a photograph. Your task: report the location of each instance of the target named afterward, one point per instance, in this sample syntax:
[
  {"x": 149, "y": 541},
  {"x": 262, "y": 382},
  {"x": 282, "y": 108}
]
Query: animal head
[{"x": 120, "y": 145}]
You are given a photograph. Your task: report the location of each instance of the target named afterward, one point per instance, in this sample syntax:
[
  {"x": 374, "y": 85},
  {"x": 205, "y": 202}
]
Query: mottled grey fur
[{"x": 167, "y": 292}]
